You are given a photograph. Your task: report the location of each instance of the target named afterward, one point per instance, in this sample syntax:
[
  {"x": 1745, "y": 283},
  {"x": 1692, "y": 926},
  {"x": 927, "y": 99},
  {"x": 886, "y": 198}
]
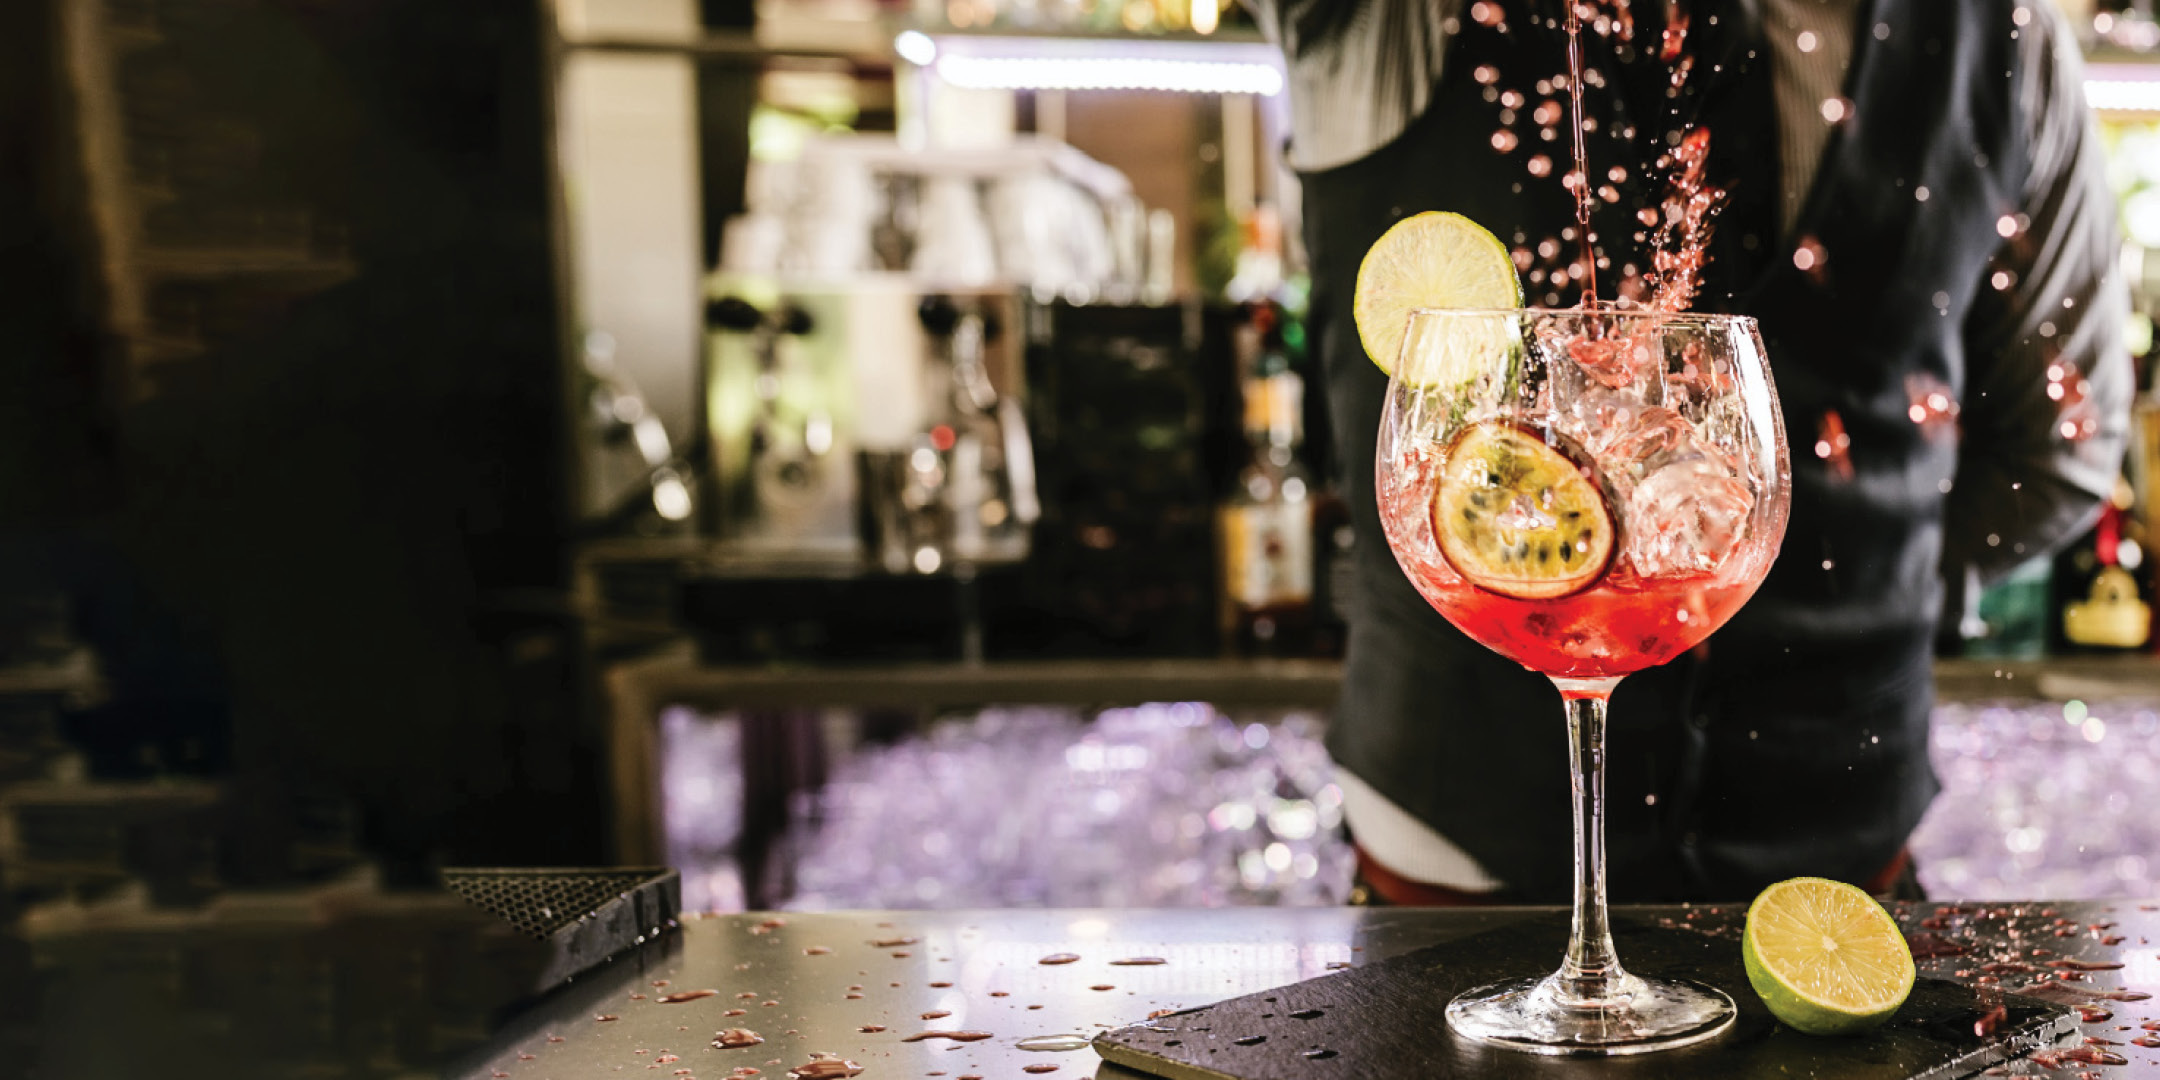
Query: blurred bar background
[{"x": 855, "y": 452}]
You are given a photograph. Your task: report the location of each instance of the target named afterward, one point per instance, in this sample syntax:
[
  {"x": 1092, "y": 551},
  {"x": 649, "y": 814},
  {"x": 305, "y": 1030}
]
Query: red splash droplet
[{"x": 1833, "y": 445}]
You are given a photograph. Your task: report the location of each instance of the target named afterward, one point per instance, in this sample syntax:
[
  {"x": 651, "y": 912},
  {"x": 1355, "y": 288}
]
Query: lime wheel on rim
[{"x": 1434, "y": 260}]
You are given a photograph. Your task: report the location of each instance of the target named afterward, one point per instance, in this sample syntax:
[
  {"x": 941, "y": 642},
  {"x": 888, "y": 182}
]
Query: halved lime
[
  {"x": 1825, "y": 957},
  {"x": 1431, "y": 260},
  {"x": 1521, "y": 516}
]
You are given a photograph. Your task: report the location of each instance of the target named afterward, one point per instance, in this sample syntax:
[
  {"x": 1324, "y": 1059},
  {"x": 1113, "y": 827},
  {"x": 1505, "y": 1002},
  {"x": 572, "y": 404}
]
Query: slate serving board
[{"x": 1385, "y": 1020}]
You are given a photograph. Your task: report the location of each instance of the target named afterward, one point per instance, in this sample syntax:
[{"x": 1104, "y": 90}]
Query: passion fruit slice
[{"x": 1521, "y": 517}]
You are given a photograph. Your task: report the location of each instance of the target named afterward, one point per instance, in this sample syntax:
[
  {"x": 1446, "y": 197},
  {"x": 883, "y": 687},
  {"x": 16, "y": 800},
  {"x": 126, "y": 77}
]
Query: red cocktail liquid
[
  {"x": 1622, "y": 624},
  {"x": 1606, "y": 631}
]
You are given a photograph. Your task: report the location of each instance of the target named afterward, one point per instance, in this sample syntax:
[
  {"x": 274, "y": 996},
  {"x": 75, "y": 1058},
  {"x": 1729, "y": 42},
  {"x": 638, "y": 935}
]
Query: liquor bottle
[{"x": 1265, "y": 526}]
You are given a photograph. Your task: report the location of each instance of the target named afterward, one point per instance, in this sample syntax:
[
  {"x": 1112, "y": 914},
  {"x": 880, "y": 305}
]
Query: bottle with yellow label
[{"x": 1265, "y": 528}]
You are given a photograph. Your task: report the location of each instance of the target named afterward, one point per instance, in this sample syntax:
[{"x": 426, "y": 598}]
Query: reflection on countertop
[{"x": 855, "y": 985}]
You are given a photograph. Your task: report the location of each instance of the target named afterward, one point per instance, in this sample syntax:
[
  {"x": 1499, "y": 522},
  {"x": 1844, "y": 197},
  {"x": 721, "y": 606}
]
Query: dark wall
[
  {"x": 53, "y": 447},
  {"x": 345, "y": 511}
]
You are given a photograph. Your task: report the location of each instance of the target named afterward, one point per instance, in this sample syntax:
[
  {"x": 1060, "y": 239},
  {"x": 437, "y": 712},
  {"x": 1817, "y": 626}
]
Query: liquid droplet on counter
[
  {"x": 2084, "y": 1055},
  {"x": 940, "y": 985},
  {"x": 737, "y": 1038},
  {"x": 936, "y": 1014},
  {"x": 1000, "y": 993},
  {"x": 736, "y": 1012},
  {"x": 1139, "y": 961},
  {"x": 956, "y": 1036},
  {"x": 1926, "y": 946},
  {"x": 1038, "y": 1068},
  {"x": 1059, "y": 958},
  {"x": 1307, "y": 1014},
  {"x": 1102, "y": 986},
  {"x": 2094, "y": 1014},
  {"x": 871, "y": 1029},
  {"x": 817, "y": 950},
  {"x": 1319, "y": 1055},
  {"x": 894, "y": 942},
  {"x": 825, "y": 1069},
  {"x": 1337, "y": 965},
  {"x": 1160, "y": 1013},
  {"x": 1249, "y": 1040},
  {"x": 1053, "y": 1043},
  {"x": 605, "y": 1017}
]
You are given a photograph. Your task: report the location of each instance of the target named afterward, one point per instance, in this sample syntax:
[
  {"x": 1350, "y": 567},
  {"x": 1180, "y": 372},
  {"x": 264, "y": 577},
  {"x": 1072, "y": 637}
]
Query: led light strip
[
  {"x": 2123, "y": 95},
  {"x": 1108, "y": 73}
]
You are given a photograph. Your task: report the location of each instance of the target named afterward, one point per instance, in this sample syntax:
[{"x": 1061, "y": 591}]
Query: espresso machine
[
  {"x": 879, "y": 428},
  {"x": 867, "y": 450}
]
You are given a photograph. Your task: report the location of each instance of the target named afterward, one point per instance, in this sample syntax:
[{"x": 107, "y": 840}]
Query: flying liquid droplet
[{"x": 1833, "y": 445}]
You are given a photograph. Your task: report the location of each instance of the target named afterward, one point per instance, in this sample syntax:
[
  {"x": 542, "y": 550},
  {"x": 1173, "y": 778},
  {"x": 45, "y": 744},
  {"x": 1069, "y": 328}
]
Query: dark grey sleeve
[
  {"x": 2034, "y": 462},
  {"x": 1359, "y": 70}
]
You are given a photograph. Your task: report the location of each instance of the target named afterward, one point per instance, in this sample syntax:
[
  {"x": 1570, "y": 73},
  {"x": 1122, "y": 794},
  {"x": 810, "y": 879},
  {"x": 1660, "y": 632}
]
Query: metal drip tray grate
[
  {"x": 540, "y": 902},
  {"x": 584, "y": 915}
]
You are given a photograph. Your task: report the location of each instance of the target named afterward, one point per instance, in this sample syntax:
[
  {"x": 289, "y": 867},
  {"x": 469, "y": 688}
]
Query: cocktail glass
[{"x": 1588, "y": 493}]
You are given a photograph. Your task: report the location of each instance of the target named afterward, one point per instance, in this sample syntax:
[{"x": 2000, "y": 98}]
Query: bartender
[{"x": 1917, "y": 203}]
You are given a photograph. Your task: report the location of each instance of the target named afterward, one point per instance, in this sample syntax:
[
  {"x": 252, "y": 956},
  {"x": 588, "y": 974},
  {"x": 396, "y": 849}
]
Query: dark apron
[{"x": 1795, "y": 740}]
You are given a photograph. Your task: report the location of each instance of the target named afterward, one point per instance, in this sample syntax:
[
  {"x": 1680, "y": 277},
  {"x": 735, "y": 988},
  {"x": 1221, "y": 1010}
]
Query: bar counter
[{"x": 857, "y": 984}]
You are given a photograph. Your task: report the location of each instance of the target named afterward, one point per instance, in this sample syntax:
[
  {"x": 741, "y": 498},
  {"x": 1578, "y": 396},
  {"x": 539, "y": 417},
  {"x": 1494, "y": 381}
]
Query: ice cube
[
  {"x": 1611, "y": 361},
  {"x": 1686, "y": 518},
  {"x": 1595, "y": 417},
  {"x": 1643, "y": 440}
]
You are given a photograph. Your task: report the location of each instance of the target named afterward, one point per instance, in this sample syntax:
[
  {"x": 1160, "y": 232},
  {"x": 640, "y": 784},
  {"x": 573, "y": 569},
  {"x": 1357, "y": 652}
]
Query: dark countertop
[{"x": 987, "y": 963}]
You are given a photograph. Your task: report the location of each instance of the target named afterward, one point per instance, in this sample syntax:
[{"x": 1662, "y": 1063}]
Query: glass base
[{"x": 1537, "y": 1016}]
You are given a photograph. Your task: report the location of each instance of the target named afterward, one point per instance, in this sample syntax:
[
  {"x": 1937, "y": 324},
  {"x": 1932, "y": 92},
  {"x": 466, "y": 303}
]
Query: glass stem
[{"x": 1591, "y": 974}]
